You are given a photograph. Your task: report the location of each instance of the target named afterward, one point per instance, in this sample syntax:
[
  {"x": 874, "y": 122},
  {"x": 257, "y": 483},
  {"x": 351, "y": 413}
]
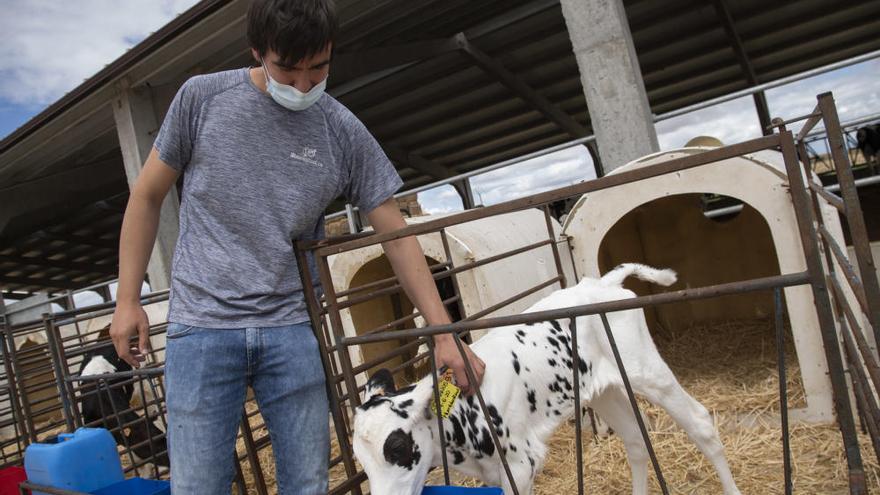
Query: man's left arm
[{"x": 408, "y": 261}]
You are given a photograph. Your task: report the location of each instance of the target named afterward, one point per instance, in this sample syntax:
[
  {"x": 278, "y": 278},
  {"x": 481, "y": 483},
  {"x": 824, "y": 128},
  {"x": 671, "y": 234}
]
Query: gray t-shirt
[{"x": 256, "y": 176}]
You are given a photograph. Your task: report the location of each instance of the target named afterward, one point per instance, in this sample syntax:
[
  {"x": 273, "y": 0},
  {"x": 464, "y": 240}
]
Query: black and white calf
[
  {"x": 528, "y": 391},
  {"x": 109, "y": 408}
]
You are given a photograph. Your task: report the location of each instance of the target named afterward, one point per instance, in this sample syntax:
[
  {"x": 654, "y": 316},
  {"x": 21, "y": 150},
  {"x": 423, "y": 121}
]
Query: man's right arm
[{"x": 139, "y": 226}]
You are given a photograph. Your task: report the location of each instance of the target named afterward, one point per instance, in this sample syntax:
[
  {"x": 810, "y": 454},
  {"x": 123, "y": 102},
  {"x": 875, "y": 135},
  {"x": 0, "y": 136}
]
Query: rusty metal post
[
  {"x": 469, "y": 371},
  {"x": 635, "y": 406},
  {"x": 783, "y": 390},
  {"x": 18, "y": 377},
  {"x": 578, "y": 415},
  {"x": 448, "y": 252},
  {"x": 339, "y": 333},
  {"x": 14, "y": 397},
  {"x": 441, "y": 430},
  {"x": 251, "y": 450},
  {"x": 57, "y": 342},
  {"x": 554, "y": 247},
  {"x": 810, "y": 243},
  {"x": 854, "y": 217},
  {"x": 49, "y": 328},
  {"x": 336, "y": 411}
]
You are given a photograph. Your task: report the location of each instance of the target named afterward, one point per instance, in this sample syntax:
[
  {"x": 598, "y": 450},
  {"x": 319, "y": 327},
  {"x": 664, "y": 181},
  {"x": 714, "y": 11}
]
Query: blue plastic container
[
  {"x": 82, "y": 461},
  {"x": 136, "y": 486},
  {"x": 461, "y": 490}
]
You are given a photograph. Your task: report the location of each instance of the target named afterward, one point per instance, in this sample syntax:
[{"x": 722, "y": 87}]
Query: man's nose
[{"x": 303, "y": 84}]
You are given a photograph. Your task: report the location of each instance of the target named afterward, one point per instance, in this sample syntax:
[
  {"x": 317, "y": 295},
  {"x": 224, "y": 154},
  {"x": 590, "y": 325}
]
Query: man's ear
[
  {"x": 256, "y": 55},
  {"x": 381, "y": 383}
]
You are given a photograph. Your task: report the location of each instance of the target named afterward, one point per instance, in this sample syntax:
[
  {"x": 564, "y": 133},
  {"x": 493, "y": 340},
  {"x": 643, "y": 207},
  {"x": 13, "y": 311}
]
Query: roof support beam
[
  {"x": 76, "y": 239},
  {"x": 417, "y": 162},
  {"x": 62, "y": 264},
  {"x": 464, "y": 190},
  {"x": 748, "y": 69},
  {"x": 433, "y": 170},
  {"x": 529, "y": 94},
  {"x": 497, "y": 70},
  {"x": 137, "y": 124},
  {"x": 348, "y": 66},
  {"x": 42, "y": 283},
  {"x": 435, "y": 48}
]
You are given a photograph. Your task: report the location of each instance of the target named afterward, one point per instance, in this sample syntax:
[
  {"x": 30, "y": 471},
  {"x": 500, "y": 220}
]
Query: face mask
[{"x": 290, "y": 97}]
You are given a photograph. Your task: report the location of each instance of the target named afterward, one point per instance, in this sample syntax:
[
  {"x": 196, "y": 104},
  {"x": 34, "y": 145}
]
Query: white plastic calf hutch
[
  {"x": 480, "y": 288},
  {"x": 661, "y": 222}
]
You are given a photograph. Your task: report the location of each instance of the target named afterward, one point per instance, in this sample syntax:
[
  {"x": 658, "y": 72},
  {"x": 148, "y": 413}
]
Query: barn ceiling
[{"x": 446, "y": 86}]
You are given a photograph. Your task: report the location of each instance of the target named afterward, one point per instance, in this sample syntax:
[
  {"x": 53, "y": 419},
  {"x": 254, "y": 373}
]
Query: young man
[{"x": 264, "y": 151}]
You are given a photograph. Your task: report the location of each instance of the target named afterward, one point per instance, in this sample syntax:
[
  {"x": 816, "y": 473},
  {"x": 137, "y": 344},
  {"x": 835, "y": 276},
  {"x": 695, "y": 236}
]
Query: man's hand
[
  {"x": 130, "y": 320},
  {"x": 446, "y": 354}
]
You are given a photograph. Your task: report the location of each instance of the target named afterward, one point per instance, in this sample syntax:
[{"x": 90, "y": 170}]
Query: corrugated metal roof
[{"x": 426, "y": 102}]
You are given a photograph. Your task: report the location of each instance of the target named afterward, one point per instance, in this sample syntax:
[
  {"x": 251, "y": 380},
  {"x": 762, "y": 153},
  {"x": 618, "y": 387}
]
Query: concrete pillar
[
  {"x": 137, "y": 125},
  {"x": 612, "y": 80}
]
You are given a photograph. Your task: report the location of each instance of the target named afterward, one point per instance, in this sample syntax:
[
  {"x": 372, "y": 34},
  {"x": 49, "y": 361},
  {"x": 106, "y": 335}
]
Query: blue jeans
[{"x": 207, "y": 372}]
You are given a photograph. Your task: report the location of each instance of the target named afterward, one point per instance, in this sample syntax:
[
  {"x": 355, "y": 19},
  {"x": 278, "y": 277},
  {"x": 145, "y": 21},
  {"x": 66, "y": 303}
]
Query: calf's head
[{"x": 393, "y": 439}]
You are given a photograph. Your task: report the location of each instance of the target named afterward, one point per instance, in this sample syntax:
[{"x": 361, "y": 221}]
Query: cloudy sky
[
  {"x": 856, "y": 91},
  {"x": 49, "y": 47}
]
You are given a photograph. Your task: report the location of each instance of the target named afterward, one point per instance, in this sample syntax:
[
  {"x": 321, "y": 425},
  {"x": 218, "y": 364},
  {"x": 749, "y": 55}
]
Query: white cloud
[
  {"x": 440, "y": 200},
  {"x": 558, "y": 169},
  {"x": 561, "y": 168},
  {"x": 50, "y": 47},
  {"x": 86, "y": 299},
  {"x": 856, "y": 93},
  {"x": 731, "y": 122}
]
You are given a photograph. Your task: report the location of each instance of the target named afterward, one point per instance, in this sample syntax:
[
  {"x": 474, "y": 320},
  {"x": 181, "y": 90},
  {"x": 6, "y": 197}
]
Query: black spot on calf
[{"x": 401, "y": 450}]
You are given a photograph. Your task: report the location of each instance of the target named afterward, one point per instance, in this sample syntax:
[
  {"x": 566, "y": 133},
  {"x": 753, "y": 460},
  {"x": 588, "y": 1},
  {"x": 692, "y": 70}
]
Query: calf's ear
[
  {"x": 423, "y": 395},
  {"x": 381, "y": 383}
]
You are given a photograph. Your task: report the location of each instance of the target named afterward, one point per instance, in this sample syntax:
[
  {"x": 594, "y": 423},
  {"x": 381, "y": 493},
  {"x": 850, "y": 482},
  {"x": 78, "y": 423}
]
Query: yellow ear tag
[{"x": 448, "y": 393}]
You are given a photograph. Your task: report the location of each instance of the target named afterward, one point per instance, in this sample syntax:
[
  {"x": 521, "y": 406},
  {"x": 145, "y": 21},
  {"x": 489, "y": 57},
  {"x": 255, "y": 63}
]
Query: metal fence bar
[
  {"x": 502, "y": 452},
  {"x": 783, "y": 391},
  {"x": 854, "y": 216},
  {"x": 864, "y": 349},
  {"x": 18, "y": 377},
  {"x": 831, "y": 198},
  {"x": 552, "y": 235},
  {"x": 578, "y": 415},
  {"x": 635, "y": 405},
  {"x": 862, "y": 389},
  {"x": 852, "y": 278},
  {"x": 813, "y": 119},
  {"x": 447, "y": 251},
  {"x": 383, "y": 282},
  {"x": 440, "y": 428},
  {"x": 788, "y": 280},
  {"x": 251, "y": 450},
  {"x": 810, "y": 242},
  {"x": 340, "y": 419},
  {"x": 21, "y": 431},
  {"x": 608, "y": 181}
]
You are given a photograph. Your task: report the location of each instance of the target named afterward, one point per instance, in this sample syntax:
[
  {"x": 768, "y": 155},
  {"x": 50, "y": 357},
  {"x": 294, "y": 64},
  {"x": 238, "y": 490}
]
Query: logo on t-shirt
[{"x": 307, "y": 155}]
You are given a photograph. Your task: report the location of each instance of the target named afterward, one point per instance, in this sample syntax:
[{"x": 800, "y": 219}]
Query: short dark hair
[{"x": 294, "y": 29}]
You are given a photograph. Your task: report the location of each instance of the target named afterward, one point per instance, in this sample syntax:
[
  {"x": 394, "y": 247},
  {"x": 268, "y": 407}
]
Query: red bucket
[{"x": 10, "y": 478}]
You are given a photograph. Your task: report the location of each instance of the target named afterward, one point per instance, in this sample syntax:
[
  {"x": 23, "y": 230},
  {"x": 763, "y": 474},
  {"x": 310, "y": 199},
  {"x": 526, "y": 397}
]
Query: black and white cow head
[{"x": 393, "y": 439}]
